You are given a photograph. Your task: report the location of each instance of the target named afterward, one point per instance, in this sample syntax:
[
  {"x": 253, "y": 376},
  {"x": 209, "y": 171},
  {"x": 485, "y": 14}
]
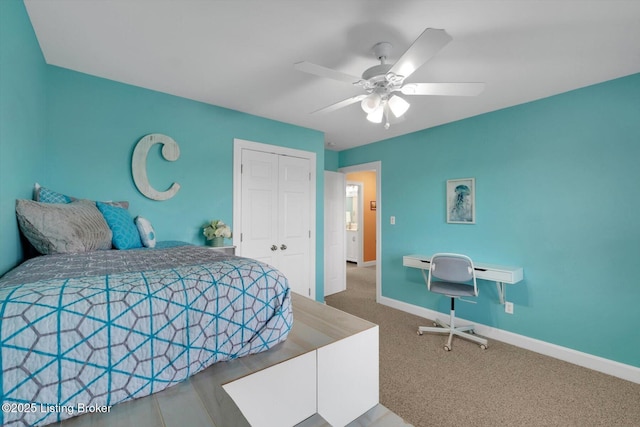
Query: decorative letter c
[{"x": 170, "y": 152}]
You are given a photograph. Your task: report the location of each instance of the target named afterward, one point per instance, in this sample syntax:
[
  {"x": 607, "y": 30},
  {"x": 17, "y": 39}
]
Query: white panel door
[
  {"x": 293, "y": 227},
  {"x": 260, "y": 206},
  {"x": 275, "y": 214},
  {"x": 335, "y": 272}
]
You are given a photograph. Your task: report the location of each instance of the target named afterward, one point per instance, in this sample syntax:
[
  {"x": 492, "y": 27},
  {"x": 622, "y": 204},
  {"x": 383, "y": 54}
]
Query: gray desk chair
[{"x": 452, "y": 275}]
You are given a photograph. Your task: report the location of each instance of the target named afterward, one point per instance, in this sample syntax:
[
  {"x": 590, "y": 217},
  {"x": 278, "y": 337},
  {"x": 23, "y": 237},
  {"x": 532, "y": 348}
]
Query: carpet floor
[{"x": 501, "y": 386}]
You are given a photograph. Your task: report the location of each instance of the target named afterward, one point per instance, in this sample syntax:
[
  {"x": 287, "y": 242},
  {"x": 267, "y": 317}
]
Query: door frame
[
  {"x": 241, "y": 144},
  {"x": 377, "y": 168}
]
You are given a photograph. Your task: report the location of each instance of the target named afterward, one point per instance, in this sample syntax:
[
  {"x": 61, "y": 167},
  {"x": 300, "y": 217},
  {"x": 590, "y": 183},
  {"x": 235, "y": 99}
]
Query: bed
[{"x": 81, "y": 332}]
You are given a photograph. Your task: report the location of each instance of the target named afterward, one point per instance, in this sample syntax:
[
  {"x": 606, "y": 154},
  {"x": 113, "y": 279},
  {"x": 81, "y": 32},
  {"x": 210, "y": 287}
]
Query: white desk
[{"x": 497, "y": 273}]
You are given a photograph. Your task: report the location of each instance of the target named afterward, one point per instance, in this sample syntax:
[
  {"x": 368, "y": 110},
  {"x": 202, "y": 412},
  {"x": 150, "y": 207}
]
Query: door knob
[
  {"x": 283, "y": 246},
  {"x": 274, "y": 248}
]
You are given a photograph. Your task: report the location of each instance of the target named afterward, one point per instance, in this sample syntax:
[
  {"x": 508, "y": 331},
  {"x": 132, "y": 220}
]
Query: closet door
[
  {"x": 294, "y": 233},
  {"x": 260, "y": 206},
  {"x": 275, "y": 213}
]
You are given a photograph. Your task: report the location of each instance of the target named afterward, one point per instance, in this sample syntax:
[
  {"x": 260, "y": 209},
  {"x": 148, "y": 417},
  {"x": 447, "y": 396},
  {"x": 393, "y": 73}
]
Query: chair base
[{"x": 461, "y": 331}]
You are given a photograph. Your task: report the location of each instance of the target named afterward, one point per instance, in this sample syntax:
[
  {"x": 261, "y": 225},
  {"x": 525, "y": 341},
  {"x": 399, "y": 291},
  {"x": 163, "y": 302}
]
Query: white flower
[
  {"x": 223, "y": 231},
  {"x": 217, "y": 228}
]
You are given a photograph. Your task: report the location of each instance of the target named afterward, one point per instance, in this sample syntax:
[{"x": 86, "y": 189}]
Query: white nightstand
[{"x": 228, "y": 250}]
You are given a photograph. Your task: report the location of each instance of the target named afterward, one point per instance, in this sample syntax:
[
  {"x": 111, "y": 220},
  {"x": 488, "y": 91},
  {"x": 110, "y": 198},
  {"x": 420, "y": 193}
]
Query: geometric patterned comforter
[{"x": 82, "y": 332}]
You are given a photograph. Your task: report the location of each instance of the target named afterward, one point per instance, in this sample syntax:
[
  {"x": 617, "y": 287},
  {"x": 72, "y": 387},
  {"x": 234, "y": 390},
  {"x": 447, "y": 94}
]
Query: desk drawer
[
  {"x": 502, "y": 274},
  {"x": 411, "y": 261}
]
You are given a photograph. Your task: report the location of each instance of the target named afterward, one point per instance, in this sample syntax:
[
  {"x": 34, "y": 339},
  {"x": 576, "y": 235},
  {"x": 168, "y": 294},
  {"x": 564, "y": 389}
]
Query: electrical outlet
[
  {"x": 392, "y": 220},
  {"x": 508, "y": 307}
]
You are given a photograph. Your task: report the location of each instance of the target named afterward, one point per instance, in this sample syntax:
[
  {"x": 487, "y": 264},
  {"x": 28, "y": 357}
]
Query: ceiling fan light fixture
[
  {"x": 398, "y": 106},
  {"x": 384, "y": 90},
  {"x": 376, "y": 115},
  {"x": 371, "y": 103}
]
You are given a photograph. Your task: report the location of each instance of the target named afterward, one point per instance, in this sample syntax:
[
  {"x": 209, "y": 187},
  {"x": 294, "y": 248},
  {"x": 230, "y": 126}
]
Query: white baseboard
[
  {"x": 367, "y": 264},
  {"x": 600, "y": 364}
]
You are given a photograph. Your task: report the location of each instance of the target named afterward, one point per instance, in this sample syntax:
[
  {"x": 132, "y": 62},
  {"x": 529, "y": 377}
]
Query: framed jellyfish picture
[{"x": 461, "y": 201}]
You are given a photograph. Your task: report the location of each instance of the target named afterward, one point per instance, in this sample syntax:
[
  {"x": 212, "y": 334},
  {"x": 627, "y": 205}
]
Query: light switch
[{"x": 393, "y": 220}]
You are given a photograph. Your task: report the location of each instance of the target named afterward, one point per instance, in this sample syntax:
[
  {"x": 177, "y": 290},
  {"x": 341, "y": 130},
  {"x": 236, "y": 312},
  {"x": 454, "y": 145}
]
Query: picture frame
[
  {"x": 461, "y": 201},
  {"x": 372, "y": 205}
]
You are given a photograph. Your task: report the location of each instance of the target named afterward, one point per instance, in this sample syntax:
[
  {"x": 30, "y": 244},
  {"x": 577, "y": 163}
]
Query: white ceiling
[{"x": 239, "y": 54}]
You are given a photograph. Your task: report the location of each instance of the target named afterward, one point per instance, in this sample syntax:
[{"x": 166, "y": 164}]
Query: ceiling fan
[{"x": 383, "y": 83}]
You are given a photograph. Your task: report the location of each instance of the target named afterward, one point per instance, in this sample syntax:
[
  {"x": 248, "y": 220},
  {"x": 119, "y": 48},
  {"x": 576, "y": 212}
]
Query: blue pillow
[
  {"x": 125, "y": 232},
  {"x": 147, "y": 234},
  {"x": 44, "y": 195}
]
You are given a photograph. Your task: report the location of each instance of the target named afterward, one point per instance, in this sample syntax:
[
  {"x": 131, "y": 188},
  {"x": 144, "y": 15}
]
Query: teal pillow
[
  {"x": 44, "y": 195},
  {"x": 125, "y": 232}
]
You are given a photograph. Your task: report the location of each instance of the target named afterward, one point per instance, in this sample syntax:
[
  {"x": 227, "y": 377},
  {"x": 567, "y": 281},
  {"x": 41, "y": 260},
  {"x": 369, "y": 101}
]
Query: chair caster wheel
[
  {"x": 446, "y": 348},
  {"x": 482, "y": 346},
  {"x": 419, "y": 332},
  {"x": 435, "y": 323}
]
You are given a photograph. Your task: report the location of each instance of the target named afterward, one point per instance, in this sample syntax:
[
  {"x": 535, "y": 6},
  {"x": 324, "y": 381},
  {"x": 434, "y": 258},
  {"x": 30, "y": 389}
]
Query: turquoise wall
[
  {"x": 556, "y": 193},
  {"x": 93, "y": 125},
  {"x": 331, "y": 160},
  {"x": 22, "y": 121}
]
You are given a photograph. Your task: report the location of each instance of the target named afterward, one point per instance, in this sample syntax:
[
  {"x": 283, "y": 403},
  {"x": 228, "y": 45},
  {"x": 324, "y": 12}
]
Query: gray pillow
[{"x": 61, "y": 228}]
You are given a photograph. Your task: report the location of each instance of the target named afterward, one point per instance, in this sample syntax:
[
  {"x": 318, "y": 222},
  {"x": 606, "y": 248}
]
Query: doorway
[
  {"x": 371, "y": 206},
  {"x": 355, "y": 220}
]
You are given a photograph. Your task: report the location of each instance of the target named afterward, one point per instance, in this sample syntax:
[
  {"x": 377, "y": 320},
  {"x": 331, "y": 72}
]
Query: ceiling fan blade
[
  {"x": 341, "y": 104},
  {"x": 321, "y": 71},
  {"x": 425, "y": 46},
  {"x": 443, "y": 89}
]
